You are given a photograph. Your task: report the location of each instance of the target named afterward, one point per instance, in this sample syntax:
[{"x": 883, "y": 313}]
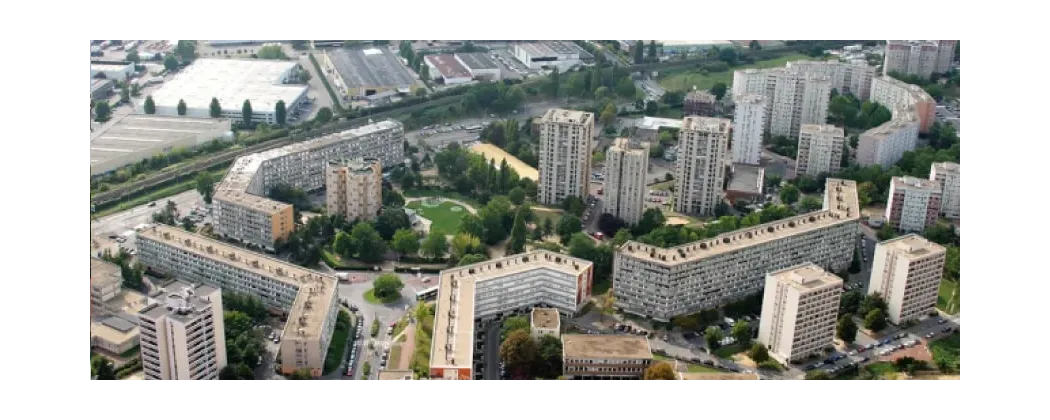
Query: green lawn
[
  {"x": 336, "y": 349},
  {"x": 370, "y": 297},
  {"x": 945, "y": 295},
  {"x": 685, "y": 81},
  {"x": 542, "y": 214},
  {"x": 727, "y": 352},
  {"x": 394, "y": 362},
  {"x": 947, "y": 349},
  {"x": 445, "y": 220},
  {"x": 414, "y": 193}
]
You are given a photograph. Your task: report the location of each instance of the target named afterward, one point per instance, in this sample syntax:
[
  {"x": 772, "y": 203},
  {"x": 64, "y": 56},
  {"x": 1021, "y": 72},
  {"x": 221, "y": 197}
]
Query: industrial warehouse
[
  {"x": 448, "y": 69},
  {"x": 131, "y": 138},
  {"x": 363, "y": 72},
  {"x": 562, "y": 55}
]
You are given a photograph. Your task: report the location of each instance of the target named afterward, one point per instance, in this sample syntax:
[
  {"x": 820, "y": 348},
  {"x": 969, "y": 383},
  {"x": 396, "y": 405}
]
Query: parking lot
[{"x": 119, "y": 224}]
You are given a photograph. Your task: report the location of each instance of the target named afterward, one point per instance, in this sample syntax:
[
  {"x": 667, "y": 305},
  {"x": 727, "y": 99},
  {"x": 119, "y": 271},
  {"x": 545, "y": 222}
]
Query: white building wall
[
  {"x": 948, "y": 175},
  {"x": 749, "y": 123},
  {"x": 625, "y": 187}
]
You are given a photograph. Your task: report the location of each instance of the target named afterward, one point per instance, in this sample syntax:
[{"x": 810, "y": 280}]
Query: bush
[
  {"x": 771, "y": 365},
  {"x": 375, "y": 328}
]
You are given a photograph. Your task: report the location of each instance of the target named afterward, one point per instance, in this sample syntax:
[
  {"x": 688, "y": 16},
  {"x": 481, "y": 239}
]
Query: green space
[
  {"x": 131, "y": 352},
  {"x": 599, "y": 288},
  {"x": 370, "y": 297},
  {"x": 945, "y": 296},
  {"x": 543, "y": 214},
  {"x": 446, "y": 216},
  {"x": 881, "y": 369},
  {"x": 946, "y": 353},
  {"x": 727, "y": 352},
  {"x": 414, "y": 193},
  {"x": 155, "y": 195},
  {"x": 664, "y": 186},
  {"x": 337, "y": 346},
  {"x": 685, "y": 81},
  {"x": 394, "y": 362},
  {"x": 424, "y": 330}
]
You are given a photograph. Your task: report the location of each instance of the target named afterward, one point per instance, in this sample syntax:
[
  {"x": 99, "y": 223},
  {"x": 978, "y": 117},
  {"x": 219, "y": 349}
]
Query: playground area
[{"x": 445, "y": 215}]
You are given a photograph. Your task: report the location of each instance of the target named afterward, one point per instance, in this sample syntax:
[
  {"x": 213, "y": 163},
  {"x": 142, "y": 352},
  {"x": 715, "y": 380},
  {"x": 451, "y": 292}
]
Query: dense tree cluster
[
  {"x": 470, "y": 174},
  {"x": 667, "y": 236}
]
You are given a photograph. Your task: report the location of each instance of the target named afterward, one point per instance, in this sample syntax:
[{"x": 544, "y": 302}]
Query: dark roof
[
  {"x": 118, "y": 324},
  {"x": 377, "y": 67},
  {"x": 476, "y": 61}
]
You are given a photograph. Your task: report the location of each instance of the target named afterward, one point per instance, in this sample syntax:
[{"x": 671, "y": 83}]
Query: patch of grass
[
  {"x": 336, "y": 348},
  {"x": 881, "y": 369},
  {"x": 394, "y": 362},
  {"x": 727, "y": 352},
  {"x": 945, "y": 295},
  {"x": 685, "y": 81},
  {"x": 415, "y": 193},
  {"x": 424, "y": 330},
  {"x": 370, "y": 297},
  {"x": 946, "y": 353},
  {"x": 444, "y": 219},
  {"x": 131, "y": 352},
  {"x": 545, "y": 213},
  {"x": 664, "y": 186},
  {"x": 690, "y": 367}
]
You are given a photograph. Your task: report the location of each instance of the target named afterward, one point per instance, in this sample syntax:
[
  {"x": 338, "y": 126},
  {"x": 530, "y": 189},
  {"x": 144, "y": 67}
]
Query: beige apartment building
[
  {"x": 913, "y": 204},
  {"x": 472, "y": 296},
  {"x": 947, "y": 174},
  {"x": 545, "y": 321},
  {"x": 700, "y": 167},
  {"x": 309, "y": 297},
  {"x": 700, "y": 103},
  {"x": 800, "y": 306},
  {"x": 885, "y": 145},
  {"x": 847, "y": 78},
  {"x": 907, "y": 271},
  {"x": 605, "y": 356},
  {"x": 819, "y": 149},
  {"x": 905, "y": 101},
  {"x": 626, "y": 168},
  {"x": 354, "y": 188},
  {"x": 565, "y": 155},
  {"x": 244, "y": 213},
  {"x": 749, "y": 123},
  {"x": 661, "y": 283},
  {"x": 920, "y": 58},
  {"x": 182, "y": 336}
]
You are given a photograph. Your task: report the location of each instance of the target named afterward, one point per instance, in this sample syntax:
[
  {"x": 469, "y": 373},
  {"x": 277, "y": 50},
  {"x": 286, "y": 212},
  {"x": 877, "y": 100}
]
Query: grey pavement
[{"x": 491, "y": 352}]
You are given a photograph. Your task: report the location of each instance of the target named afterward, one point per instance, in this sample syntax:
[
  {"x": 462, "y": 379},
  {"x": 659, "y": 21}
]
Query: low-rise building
[
  {"x": 648, "y": 128},
  {"x": 605, "y": 356},
  {"x": 947, "y": 174},
  {"x": 819, "y": 149},
  {"x": 913, "y": 203},
  {"x": 545, "y": 321},
  {"x": 101, "y": 88},
  {"x": 112, "y": 70},
  {"x": 130, "y": 138},
  {"x": 700, "y": 103},
  {"x": 907, "y": 272},
  {"x": 447, "y": 68},
  {"x": 746, "y": 182},
  {"x": 480, "y": 66},
  {"x": 353, "y": 188},
  {"x": 800, "y": 305},
  {"x": 114, "y": 336},
  {"x": 105, "y": 282},
  {"x": 562, "y": 55},
  {"x": 182, "y": 335}
]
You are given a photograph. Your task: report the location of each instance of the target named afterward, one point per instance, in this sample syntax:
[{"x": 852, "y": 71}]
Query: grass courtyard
[
  {"x": 446, "y": 216},
  {"x": 685, "y": 81},
  {"x": 947, "y": 351}
]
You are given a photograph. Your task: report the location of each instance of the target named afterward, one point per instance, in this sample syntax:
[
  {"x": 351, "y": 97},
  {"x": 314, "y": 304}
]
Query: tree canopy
[{"x": 660, "y": 371}]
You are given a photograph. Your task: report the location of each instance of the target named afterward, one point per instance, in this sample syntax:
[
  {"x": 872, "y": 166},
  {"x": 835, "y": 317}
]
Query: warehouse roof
[
  {"x": 477, "y": 61},
  {"x": 371, "y": 67},
  {"x": 448, "y": 66},
  {"x": 552, "y": 48},
  {"x": 232, "y": 82},
  {"x": 126, "y": 134}
]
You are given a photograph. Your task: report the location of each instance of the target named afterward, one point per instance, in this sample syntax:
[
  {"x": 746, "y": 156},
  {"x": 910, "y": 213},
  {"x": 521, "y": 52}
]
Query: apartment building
[
  {"x": 800, "y": 306},
  {"x": 626, "y": 168},
  {"x": 471, "y": 297},
  {"x": 354, "y": 188},
  {"x": 885, "y": 145},
  {"x": 913, "y": 203},
  {"x": 749, "y": 122},
  {"x": 105, "y": 282},
  {"x": 308, "y": 297},
  {"x": 819, "y": 149},
  {"x": 545, "y": 321},
  {"x": 605, "y": 356},
  {"x": 794, "y": 97},
  {"x": 904, "y": 99},
  {"x": 700, "y": 103},
  {"x": 947, "y": 174},
  {"x": 920, "y": 58},
  {"x": 565, "y": 154},
  {"x": 907, "y": 271},
  {"x": 847, "y": 78},
  {"x": 700, "y": 168},
  {"x": 945, "y": 55},
  {"x": 243, "y": 213},
  {"x": 664, "y": 282},
  {"x": 181, "y": 333}
]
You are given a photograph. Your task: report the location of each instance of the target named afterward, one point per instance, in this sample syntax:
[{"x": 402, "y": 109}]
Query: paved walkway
[
  {"x": 408, "y": 347},
  {"x": 465, "y": 205}
]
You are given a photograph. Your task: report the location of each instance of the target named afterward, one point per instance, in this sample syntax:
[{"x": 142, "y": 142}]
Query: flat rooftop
[
  {"x": 566, "y": 116},
  {"x": 747, "y": 179},
  {"x": 120, "y": 333},
  {"x": 104, "y": 273},
  {"x": 234, "y": 186},
  {"x": 174, "y": 296},
  {"x": 804, "y": 277},
  {"x": 700, "y": 96},
  {"x": 309, "y": 307},
  {"x": 477, "y": 61},
  {"x": 453, "y": 341},
  {"x": 231, "y": 82},
  {"x": 654, "y": 123},
  {"x": 749, "y": 98},
  {"x": 554, "y": 48},
  {"x": 913, "y": 183},
  {"x": 706, "y": 124},
  {"x": 720, "y": 376},
  {"x": 602, "y": 346},
  {"x": 448, "y": 66},
  {"x": 946, "y": 167},
  {"x": 546, "y": 318},
  {"x": 839, "y": 193},
  {"x": 912, "y": 245},
  {"x": 371, "y": 67},
  {"x": 822, "y": 129},
  {"x": 131, "y": 133}
]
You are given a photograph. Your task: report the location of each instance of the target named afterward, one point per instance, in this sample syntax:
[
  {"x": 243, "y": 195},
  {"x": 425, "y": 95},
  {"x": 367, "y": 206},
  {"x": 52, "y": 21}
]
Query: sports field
[
  {"x": 446, "y": 216},
  {"x": 493, "y": 152}
]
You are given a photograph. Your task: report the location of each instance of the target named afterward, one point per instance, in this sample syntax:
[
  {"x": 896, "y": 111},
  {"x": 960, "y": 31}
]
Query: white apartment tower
[
  {"x": 749, "y": 122},
  {"x": 565, "y": 154},
  {"x": 799, "y": 307},
  {"x": 181, "y": 333},
  {"x": 845, "y": 77},
  {"x": 819, "y": 149},
  {"x": 700, "y": 167},
  {"x": 947, "y": 174},
  {"x": 907, "y": 271},
  {"x": 354, "y": 188},
  {"x": 913, "y": 204},
  {"x": 625, "y": 187}
]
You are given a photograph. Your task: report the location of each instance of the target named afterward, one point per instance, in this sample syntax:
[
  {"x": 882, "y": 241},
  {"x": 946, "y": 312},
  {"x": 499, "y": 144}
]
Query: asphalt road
[
  {"x": 118, "y": 223},
  {"x": 491, "y": 351}
]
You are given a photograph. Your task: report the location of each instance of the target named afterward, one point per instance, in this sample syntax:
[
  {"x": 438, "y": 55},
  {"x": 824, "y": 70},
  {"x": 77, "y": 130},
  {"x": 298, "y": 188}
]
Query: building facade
[
  {"x": 699, "y": 103},
  {"x": 905, "y": 101},
  {"x": 885, "y": 145},
  {"x": 308, "y": 297},
  {"x": 947, "y": 174},
  {"x": 847, "y": 78},
  {"x": 800, "y": 306},
  {"x": 604, "y": 356},
  {"x": 700, "y": 166},
  {"x": 625, "y": 188},
  {"x": 819, "y": 149},
  {"x": 749, "y": 122},
  {"x": 105, "y": 283},
  {"x": 794, "y": 97},
  {"x": 919, "y": 58},
  {"x": 181, "y": 333},
  {"x": 243, "y": 213},
  {"x": 354, "y": 188},
  {"x": 913, "y": 203},
  {"x": 470, "y": 298},
  {"x": 545, "y": 321},
  {"x": 565, "y": 155},
  {"x": 664, "y": 282},
  {"x": 907, "y": 271}
]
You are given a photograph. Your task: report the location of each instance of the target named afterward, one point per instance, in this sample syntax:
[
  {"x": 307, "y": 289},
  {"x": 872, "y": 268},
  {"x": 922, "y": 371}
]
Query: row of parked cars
[{"x": 355, "y": 350}]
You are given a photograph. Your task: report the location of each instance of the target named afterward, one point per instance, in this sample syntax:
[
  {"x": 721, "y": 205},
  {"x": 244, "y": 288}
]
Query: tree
[
  {"x": 517, "y": 233},
  {"x": 721, "y": 209},
  {"x": 742, "y": 333},
  {"x": 171, "y": 62},
  {"x": 846, "y": 329},
  {"x": 567, "y": 226},
  {"x": 850, "y": 302},
  {"x": 133, "y": 56},
  {"x": 625, "y": 88},
  {"x": 280, "y": 113},
  {"x": 713, "y": 337},
  {"x": 622, "y": 236},
  {"x": 102, "y": 111},
  {"x": 186, "y": 50},
  {"x": 573, "y": 205},
  {"x": 125, "y": 93},
  {"x": 205, "y": 186},
  {"x": 214, "y": 109},
  {"x": 886, "y": 232},
  {"x": 148, "y": 106},
  {"x": 875, "y": 320},
  {"x": 601, "y": 93},
  {"x": 471, "y": 259},
  {"x": 872, "y": 302},
  {"x": 550, "y": 359},
  {"x": 515, "y": 323},
  {"x": 639, "y": 53},
  {"x": 435, "y": 245},
  {"x": 548, "y": 227},
  {"x": 758, "y": 353},
  {"x": 610, "y": 225},
  {"x": 405, "y": 242},
  {"x": 324, "y": 115},
  {"x": 103, "y": 369},
  {"x": 555, "y": 82},
  {"x": 809, "y": 203},
  {"x": 471, "y": 224},
  {"x": 719, "y": 90},
  {"x": 608, "y": 115},
  {"x": 516, "y": 195},
  {"x": 754, "y": 45},
  {"x": 651, "y": 108},
  {"x": 652, "y": 51},
  {"x": 660, "y": 371},
  {"x": 303, "y": 374},
  {"x": 817, "y": 374},
  {"x": 464, "y": 244},
  {"x": 368, "y": 243},
  {"x": 246, "y": 112},
  {"x": 387, "y": 286},
  {"x": 343, "y": 245},
  {"x": 518, "y": 351},
  {"x": 651, "y": 219},
  {"x": 390, "y": 220},
  {"x": 181, "y": 107},
  {"x": 789, "y": 194}
]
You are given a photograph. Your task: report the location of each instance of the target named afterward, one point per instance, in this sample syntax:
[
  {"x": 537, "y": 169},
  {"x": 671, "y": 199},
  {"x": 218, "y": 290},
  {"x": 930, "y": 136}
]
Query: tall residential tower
[
  {"x": 700, "y": 167},
  {"x": 565, "y": 154},
  {"x": 625, "y": 187},
  {"x": 181, "y": 333}
]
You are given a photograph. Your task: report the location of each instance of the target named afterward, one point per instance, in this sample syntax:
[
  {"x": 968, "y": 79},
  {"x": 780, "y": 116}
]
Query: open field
[
  {"x": 493, "y": 152},
  {"x": 685, "y": 81},
  {"x": 445, "y": 216},
  {"x": 945, "y": 295},
  {"x": 545, "y": 213}
]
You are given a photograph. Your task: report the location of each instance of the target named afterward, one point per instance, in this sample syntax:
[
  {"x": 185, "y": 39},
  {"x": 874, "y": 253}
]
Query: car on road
[
  {"x": 153, "y": 204},
  {"x": 946, "y": 329},
  {"x": 886, "y": 341},
  {"x": 941, "y": 321},
  {"x": 853, "y": 353}
]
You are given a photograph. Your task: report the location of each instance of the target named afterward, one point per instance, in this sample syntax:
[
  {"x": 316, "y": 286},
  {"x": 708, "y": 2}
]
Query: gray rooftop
[
  {"x": 371, "y": 67},
  {"x": 136, "y": 133},
  {"x": 477, "y": 61},
  {"x": 747, "y": 178},
  {"x": 118, "y": 324}
]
